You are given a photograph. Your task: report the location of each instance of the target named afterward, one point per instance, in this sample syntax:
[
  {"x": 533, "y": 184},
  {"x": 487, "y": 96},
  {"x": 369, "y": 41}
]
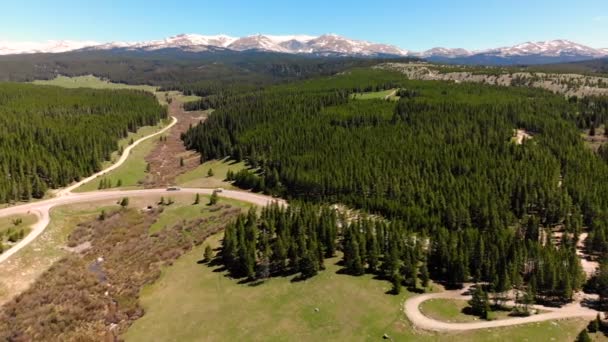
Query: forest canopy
[
  {"x": 51, "y": 136},
  {"x": 442, "y": 162}
]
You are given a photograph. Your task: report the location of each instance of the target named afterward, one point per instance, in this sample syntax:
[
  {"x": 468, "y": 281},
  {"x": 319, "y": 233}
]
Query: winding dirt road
[
  {"x": 125, "y": 154},
  {"x": 66, "y": 196}
]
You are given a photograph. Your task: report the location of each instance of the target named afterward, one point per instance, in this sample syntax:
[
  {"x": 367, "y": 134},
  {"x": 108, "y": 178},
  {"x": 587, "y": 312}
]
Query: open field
[
  {"x": 198, "y": 178},
  {"x": 214, "y": 307},
  {"x": 178, "y": 96},
  {"x": 449, "y": 310},
  {"x": 184, "y": 209},
  {"x": 384, "y": 94},
  {"x": 8, "y": 227},
  {"x": 90, "y": 81},
  {"x": 453, "y": 310}
]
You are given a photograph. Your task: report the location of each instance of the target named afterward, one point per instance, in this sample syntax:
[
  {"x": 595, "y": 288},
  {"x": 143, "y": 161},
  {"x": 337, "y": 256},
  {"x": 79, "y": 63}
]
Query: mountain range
[{"x": 328, "y": 45}]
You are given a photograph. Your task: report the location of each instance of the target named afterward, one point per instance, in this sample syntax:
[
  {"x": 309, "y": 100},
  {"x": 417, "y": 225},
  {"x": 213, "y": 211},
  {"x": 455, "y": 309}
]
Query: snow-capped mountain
[
  {"x": 257, "y": 42},
  {"x": 553, "y": 51},
  {"x": 445, "y": 52},
  {"x": 552, "y": 48},
  {"x": 329, "y": 45},
  {"x": 50, "y": 46}
]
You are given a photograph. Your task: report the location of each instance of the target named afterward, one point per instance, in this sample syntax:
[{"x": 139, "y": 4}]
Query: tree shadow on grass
[
  {"x": 256, "y": 282},
  {"x": 416, "y": 290}
]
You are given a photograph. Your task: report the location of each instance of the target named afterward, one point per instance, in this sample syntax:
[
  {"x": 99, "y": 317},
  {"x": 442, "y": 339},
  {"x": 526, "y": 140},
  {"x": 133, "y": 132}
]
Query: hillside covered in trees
[
  {"x": 193, "y": 73},
  {"x": 51, "y": 136},
  {"x": 440, "y": 162}
]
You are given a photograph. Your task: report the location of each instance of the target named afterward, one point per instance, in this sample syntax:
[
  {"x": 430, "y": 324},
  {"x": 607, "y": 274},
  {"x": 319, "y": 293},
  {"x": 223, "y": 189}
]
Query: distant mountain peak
[{"x": 329, "y": 44}]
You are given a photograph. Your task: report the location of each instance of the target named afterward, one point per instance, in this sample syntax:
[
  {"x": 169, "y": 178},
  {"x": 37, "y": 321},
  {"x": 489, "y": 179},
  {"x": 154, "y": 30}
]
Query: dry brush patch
[
  {"x": 93, "y": 295},
  {"x": 170, "y": 158}
]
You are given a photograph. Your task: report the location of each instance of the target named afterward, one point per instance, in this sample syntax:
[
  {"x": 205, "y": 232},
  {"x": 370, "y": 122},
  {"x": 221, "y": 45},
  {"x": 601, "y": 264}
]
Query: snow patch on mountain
[
  {"x": 552, "y": 48},
  {"x": 324, "y": 45},
  {"x": 50, "y": 46}
]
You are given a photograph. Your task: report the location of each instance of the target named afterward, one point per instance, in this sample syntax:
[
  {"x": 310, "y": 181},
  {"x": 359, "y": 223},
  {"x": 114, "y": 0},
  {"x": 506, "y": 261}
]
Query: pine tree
[
  {"x": 124, "y": 202},
  {"x": 583, "y": 336},
  {"x": 208, "y": 255},
  {"x": 424, "y": 274},
  {"x": 210, "y": 173},
  {"x": 479, "y": 302},
  {"x": 197, "y": 199},
  {"x": 397, "y": 279},
  {"x": 214, "y": 198}
]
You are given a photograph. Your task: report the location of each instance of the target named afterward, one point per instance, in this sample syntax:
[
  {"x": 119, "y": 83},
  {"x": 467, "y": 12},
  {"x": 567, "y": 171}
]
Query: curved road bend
[
  {"x": 66, "y": 196},
  {"x": 42, "y": 208},
  {"x": 418, "y": 319}
]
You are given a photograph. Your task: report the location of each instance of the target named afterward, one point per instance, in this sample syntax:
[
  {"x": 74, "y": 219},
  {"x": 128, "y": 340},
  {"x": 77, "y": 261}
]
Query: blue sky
[{"x": 414, "y": 25}]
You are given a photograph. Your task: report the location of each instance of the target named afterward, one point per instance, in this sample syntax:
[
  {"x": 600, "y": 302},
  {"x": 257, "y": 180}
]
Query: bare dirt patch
[
  {"x": 598, "y": 139},
  {"x": 170, "y": 158},
  {"x": 520, "y": 135}
]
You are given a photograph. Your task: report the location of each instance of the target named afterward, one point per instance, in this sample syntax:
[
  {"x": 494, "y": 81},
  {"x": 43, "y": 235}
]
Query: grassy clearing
[
  {"x": 563, "y": 330},
  {"x": 213, "y": 307},
  {"x": 132, "y": 136},
  {"x": 8, "y": 222},
  {"x": 177, "y": 96},
  {"x": 13, "y": 228},
  {"x": 453, "y": 310},
  {"x": 90, "y": 81},
  {"x": 131, "y": 173},
  {"x": 198, "y": 178},
  {"x": 184, "y": 210},
  {"x": 448, "y": 310},
  {"x": 376, "y": 95}
]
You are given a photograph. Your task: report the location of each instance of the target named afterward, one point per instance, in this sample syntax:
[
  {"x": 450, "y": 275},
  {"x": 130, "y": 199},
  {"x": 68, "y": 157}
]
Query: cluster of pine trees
[
  {"x": 297, "y": 239},
  {"x": 280, "y": 241},
  {"x": 51, "y": 136}
]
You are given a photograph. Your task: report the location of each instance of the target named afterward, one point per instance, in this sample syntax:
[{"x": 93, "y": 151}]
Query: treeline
[
  {"x": 194, "y": 73},
  {"x": 51, "y": 136},
  {"x": 297, "y": 239}
]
